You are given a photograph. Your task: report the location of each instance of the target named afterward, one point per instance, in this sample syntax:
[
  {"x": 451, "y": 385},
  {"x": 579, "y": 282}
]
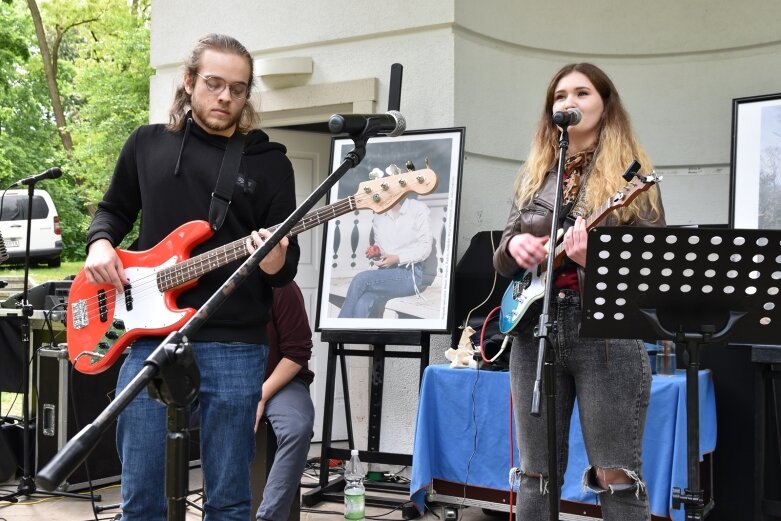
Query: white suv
[{"x": 45, "y": 231}]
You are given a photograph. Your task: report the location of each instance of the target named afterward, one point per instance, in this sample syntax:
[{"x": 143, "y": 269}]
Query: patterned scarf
[{"x": 574, "y": 168}]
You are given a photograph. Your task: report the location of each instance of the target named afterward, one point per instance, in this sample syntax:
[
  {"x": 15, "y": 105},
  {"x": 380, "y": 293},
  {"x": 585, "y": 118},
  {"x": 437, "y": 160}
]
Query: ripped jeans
[{"x": 612, "y": 381}]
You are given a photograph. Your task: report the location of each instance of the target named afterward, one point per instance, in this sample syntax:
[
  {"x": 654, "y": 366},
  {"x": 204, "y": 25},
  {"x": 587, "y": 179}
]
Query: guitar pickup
[
  {"x": 519, "y": 286},
  {"x": 128, "y": 297},
  {"x": 102, "y": 305},
  {"x": 79, "y": 312}
]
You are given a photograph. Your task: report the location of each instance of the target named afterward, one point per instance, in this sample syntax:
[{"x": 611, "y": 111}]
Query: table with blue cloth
[{"x": 463, "y": 432}]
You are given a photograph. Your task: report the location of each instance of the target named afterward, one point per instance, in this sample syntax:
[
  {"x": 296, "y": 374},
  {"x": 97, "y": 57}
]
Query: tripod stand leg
[{"x": 27, "y": 486}]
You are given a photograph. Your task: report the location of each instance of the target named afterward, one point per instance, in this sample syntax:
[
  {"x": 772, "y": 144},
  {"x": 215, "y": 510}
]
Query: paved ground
[{"x": 69, "y": 509}]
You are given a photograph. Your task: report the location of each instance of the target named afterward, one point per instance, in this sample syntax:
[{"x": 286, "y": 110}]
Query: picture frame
[
  {"x": 415, "y": 293},
  {"x": 755, "y": 163}
]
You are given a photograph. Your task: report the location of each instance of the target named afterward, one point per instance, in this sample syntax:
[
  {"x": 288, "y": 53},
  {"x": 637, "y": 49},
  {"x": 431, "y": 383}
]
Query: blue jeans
[
  {"x": 612, "y": 381},
  {"x": 292, "y": 416},
  {"x": 231, "y": 375},
  {"x": 371, "y": 289}
]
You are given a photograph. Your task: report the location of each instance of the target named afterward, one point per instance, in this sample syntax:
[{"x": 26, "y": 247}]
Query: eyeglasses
[{"x": 216, "y": 85}]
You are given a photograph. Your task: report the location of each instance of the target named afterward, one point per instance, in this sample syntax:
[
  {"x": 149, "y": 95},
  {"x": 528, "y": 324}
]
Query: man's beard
[{"x": 202, "y": 114}]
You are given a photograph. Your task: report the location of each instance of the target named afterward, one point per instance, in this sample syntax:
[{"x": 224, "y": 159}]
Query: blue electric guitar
[{"x": 528, "y": 286}]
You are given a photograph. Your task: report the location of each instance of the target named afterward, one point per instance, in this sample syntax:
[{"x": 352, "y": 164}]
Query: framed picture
[
  {"x": 755, "y": 176},
  {"x": 388, "y": 264}
]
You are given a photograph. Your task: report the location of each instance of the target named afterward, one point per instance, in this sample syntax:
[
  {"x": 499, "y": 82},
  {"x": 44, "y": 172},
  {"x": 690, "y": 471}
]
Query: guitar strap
[{"x": 226, "y": 180}]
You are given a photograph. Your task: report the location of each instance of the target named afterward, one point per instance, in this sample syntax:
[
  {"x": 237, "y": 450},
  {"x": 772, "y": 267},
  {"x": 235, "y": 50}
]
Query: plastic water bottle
[
  {"x": 665, "y": 357},
  {"x": 354, "y": 491}
]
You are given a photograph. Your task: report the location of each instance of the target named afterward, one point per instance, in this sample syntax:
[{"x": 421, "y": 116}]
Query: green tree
[
  {"x": 90, "y": 58},
  {"x": 28, "y": 138},
  {"x": 111, "y": 93}
]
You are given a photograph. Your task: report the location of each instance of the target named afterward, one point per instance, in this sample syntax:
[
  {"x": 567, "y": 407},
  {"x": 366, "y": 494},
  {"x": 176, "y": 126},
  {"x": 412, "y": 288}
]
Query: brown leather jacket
[{"x": 535, "y": 218}]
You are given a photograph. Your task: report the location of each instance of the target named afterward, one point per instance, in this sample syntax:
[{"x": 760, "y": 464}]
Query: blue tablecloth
[{"x": 464, "y": 422}]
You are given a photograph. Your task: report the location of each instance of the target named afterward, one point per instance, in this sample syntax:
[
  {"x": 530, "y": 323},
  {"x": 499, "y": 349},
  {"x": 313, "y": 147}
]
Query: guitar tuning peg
[
  {"x": 393, "y": 169},
  {"x": 410, "y": 166}
]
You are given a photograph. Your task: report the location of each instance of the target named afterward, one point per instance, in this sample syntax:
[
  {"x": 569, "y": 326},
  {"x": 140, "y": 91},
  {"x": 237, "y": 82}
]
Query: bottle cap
[{"x": 354, "y": 452}]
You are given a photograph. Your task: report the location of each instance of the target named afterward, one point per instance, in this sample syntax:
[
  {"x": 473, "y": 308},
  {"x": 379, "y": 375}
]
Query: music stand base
[{"x": 693, "y": 503}]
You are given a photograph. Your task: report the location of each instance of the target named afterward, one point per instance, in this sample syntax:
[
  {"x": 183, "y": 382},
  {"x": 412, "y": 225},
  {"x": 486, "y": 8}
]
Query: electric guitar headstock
[
  {"x": 381, "y": 194},
  {"x": 634, "y": 188},
  {"x": 623, "y": 197}
]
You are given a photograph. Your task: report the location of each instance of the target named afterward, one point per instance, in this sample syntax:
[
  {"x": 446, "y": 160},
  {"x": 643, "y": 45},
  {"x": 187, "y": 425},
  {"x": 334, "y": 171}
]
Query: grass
[
  {"x": 41, "y": 274},
  {"x": 11, "y": 403}
]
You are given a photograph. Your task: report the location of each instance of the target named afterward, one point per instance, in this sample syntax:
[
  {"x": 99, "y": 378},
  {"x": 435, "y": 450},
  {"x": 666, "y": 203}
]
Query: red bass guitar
[{"x": 102, "y": 321}]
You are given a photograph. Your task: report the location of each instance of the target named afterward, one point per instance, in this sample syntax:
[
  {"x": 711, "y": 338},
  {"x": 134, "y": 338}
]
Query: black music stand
[{"x": 692, "y": 285}]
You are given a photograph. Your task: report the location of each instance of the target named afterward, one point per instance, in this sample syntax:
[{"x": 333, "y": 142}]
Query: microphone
[
  {"x": 569, "y": 118},
  {"x": 392, "y": 123},
  {"x": 52, "y": 173}
]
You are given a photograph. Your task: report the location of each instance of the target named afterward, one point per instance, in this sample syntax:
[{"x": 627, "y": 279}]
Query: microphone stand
[
  {"x": 172, "y": 370},
  {"x": 545, "y": 332},
  {"x": 27, "y": 485}
]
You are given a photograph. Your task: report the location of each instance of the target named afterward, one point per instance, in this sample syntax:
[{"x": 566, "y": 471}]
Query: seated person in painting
[{"x": 402, "y": 243}]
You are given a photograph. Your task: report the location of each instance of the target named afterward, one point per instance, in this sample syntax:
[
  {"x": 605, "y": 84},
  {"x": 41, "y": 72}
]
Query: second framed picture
[
  {"x": 755, "y": 179},
  {"x": 387, "y": 265}
]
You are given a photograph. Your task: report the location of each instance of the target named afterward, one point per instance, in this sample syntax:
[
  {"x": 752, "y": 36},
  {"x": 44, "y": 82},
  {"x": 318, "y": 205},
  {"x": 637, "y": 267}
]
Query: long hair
[
  {"x": 182, "y": 101},
  {"x": 617, "y": 146}
]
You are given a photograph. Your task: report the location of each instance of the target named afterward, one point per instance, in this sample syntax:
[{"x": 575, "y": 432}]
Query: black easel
[
  {"x": 378, "y": 341},
  {"x": 694, "y": 286},
  {"x": 27, "y": 486}
]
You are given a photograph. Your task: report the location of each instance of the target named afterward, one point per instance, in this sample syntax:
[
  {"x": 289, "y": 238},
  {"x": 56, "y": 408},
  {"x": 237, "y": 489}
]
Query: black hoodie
[{"x": 170, "y": 176}]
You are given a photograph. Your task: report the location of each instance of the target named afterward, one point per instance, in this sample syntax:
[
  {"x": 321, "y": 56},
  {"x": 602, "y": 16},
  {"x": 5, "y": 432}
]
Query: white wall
[
  {"x": 346, "y": 40},
  {"x": 677, "y": 65},
  {"x": 485, "y": 65}
]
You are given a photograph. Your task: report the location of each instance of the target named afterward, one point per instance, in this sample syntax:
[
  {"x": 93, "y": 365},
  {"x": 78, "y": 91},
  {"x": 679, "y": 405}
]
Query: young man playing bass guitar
[{"x": 168, "y": 173}]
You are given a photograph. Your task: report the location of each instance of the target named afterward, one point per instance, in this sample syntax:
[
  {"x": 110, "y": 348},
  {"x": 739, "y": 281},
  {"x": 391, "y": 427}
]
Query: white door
[{"x": 310, "y": 153}]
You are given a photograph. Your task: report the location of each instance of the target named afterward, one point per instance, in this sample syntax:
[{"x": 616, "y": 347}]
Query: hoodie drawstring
[{"x": 181, "y": 148}]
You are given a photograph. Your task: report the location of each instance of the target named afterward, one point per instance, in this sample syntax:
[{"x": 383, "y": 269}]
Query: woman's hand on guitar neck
[
  {"x": 576, "y": 241},
  {"x": 103, "y": 265},
  {"x": 527, "y": 249}
]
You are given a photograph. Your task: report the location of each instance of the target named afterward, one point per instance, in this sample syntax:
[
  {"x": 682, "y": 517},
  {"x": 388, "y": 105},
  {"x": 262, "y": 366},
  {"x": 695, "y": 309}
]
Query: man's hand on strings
[
  {"x": 275, "y": 259},
  {"x": 103, "y": 265}
]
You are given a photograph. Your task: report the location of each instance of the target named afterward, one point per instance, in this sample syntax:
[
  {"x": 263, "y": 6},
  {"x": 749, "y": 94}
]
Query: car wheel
[{"x": 54, "y": 263}]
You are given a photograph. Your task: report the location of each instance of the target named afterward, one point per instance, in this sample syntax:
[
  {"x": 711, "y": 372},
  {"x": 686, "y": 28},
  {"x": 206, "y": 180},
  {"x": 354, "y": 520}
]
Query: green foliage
[
  {"x": 103, "y": 76},
  {"x": 113, "y": 84},
  {"x": 27, "y": 133}
]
